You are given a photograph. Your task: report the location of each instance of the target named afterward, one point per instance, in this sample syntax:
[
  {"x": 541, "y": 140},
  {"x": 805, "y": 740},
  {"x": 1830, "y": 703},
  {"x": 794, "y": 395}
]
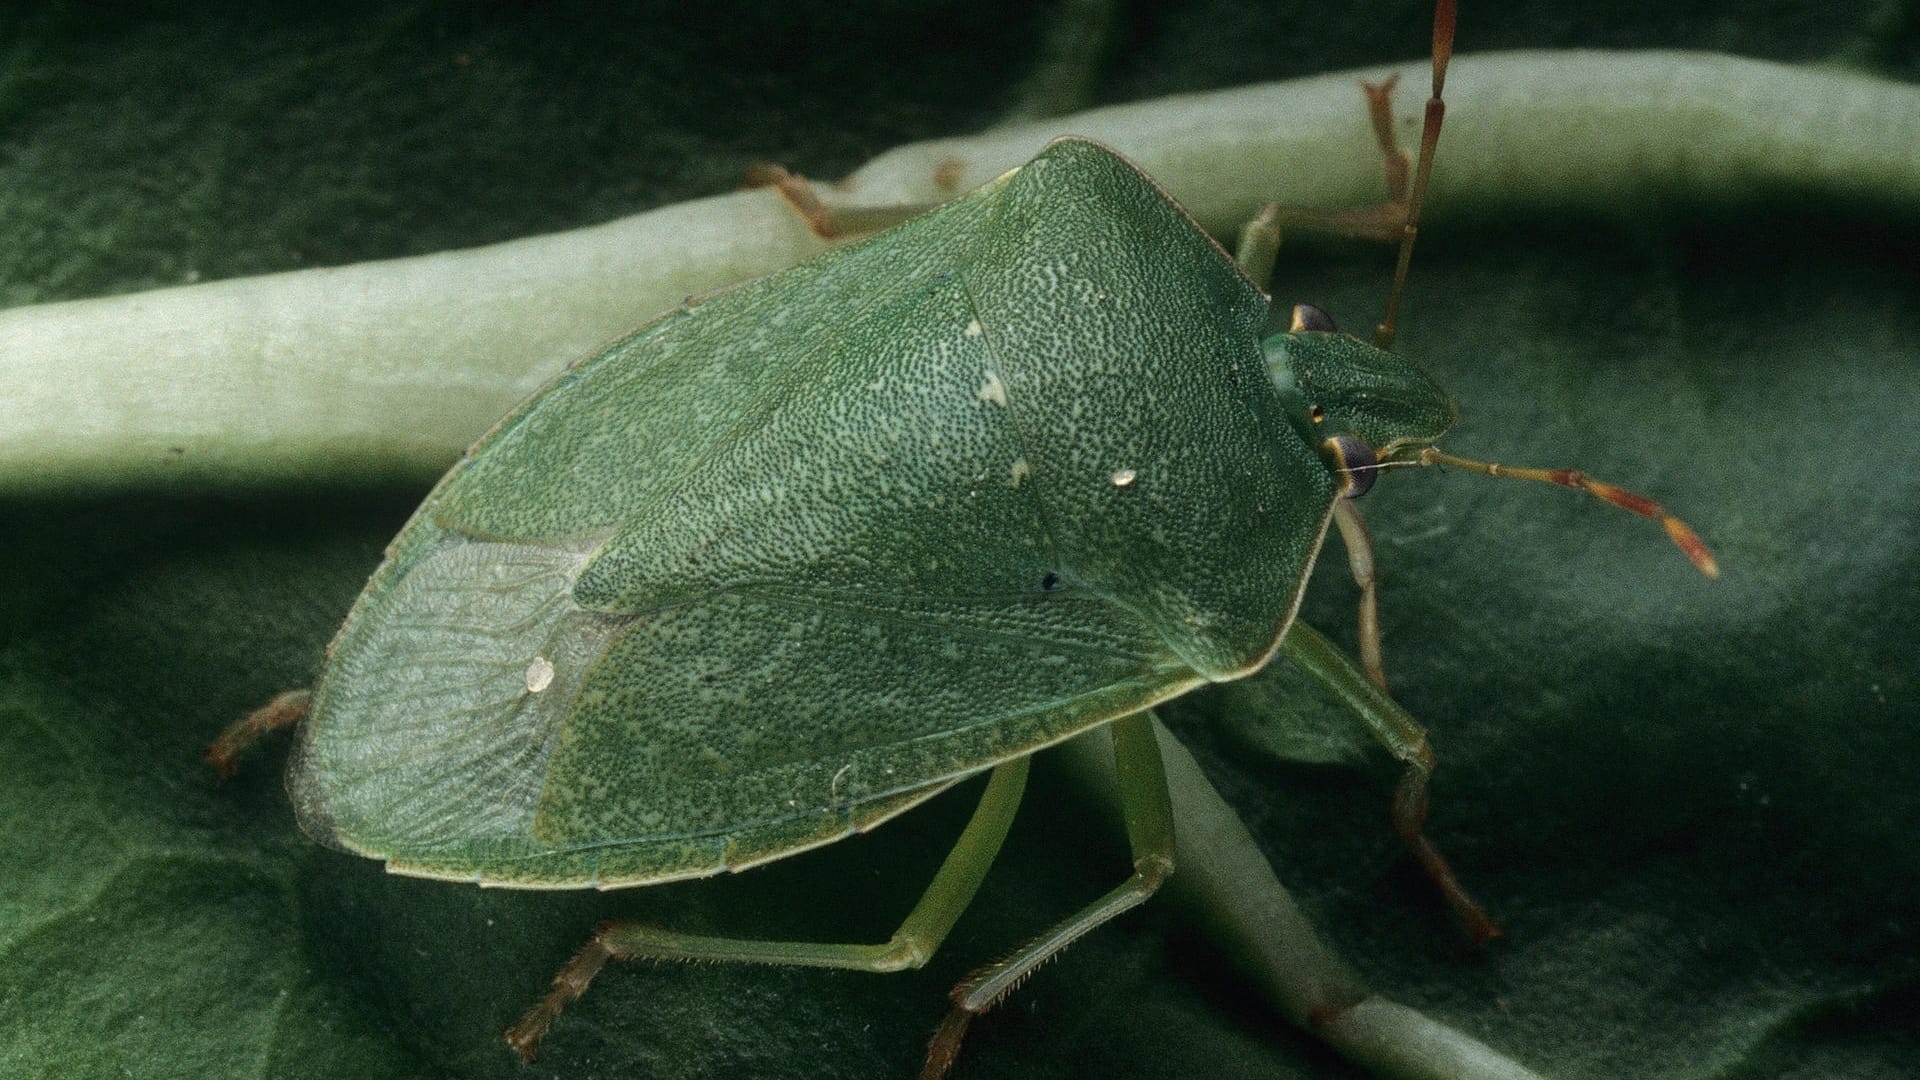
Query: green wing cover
[{"x": 787, "y": 561}]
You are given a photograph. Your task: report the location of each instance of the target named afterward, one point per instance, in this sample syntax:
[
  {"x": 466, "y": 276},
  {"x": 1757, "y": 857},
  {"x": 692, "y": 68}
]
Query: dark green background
[{"x": 1691, "y": 804}]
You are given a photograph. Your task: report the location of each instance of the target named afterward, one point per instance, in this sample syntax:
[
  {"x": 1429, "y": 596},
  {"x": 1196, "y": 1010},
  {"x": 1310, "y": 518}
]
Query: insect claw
[
  {"x": 525, "y": 1034},
  {"x": 524, "y": 1037},
  {"x": 944, "y": 1047}
]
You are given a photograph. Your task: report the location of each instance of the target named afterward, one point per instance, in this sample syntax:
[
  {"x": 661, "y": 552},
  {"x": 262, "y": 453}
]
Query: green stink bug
[{"x": 789, "y": 561}]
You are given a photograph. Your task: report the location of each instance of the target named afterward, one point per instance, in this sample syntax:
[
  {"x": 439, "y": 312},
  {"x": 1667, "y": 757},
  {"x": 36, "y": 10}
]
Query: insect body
[
  {"x": 763, "y": 573},
  {"x": 767, "y": 573},
  {"x": 789, "y": 561}
]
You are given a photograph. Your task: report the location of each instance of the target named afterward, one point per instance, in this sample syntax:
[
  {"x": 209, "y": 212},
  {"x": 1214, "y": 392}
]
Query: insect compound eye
[
  {"x": 1317, "y": 414},
  {"x": 1309, "y": 318},
  {"x": 1357, "y": 460}
]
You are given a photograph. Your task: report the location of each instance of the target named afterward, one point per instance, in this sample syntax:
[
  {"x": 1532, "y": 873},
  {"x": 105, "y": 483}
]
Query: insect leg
[
  {"x": 1148, "y": 809},
  {"x": 284, "y": 711},
  {"x": 1359, "y": 545},
  {"x": 830, "y": 222},
  {"x": 919, "y": 936},
  {"x": 1398, "y": 218},
  {"x": 1259, "y": 245},
  {"x": 1259, "y": 242},
  {"x": 1385, "y": 222},
  {"x": 1403, "y": 736}
]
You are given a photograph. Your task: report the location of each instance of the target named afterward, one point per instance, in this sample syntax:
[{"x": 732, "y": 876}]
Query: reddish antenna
[{"x": 1443, "y": 20}]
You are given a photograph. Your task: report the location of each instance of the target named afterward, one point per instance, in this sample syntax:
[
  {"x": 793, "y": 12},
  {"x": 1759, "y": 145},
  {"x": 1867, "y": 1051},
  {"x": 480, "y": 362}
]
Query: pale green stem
[{"x": 384, "y": 371}]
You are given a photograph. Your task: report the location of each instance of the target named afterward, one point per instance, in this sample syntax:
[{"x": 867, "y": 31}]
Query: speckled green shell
[{"x": 787, "y": 561}]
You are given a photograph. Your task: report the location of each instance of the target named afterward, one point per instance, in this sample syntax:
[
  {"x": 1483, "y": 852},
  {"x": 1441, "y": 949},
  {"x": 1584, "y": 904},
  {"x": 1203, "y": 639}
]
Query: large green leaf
[{"x": 1690, "y": 803}]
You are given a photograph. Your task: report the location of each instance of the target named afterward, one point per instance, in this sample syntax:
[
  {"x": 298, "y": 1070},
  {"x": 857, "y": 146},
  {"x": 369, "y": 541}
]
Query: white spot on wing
[
  {"x": 539, "y": 674},
  {"x": 1021, "y": 470},
  {"x": 1124, "y": 477},
  {"x": 994, "y": 391}
]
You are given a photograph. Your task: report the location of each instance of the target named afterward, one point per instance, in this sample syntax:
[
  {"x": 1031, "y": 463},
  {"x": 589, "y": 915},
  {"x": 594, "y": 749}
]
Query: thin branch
[{"x": 384, "y": 371}]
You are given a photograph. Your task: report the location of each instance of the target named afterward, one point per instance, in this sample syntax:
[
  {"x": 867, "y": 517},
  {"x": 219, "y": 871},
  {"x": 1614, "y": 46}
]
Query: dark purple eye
[
  {"x": 1308, "y": 317},
  {"x": 1357, "y": 460}
]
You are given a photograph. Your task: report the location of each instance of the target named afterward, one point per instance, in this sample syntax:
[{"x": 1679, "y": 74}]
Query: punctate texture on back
[{"x": 789, "y": 560}]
